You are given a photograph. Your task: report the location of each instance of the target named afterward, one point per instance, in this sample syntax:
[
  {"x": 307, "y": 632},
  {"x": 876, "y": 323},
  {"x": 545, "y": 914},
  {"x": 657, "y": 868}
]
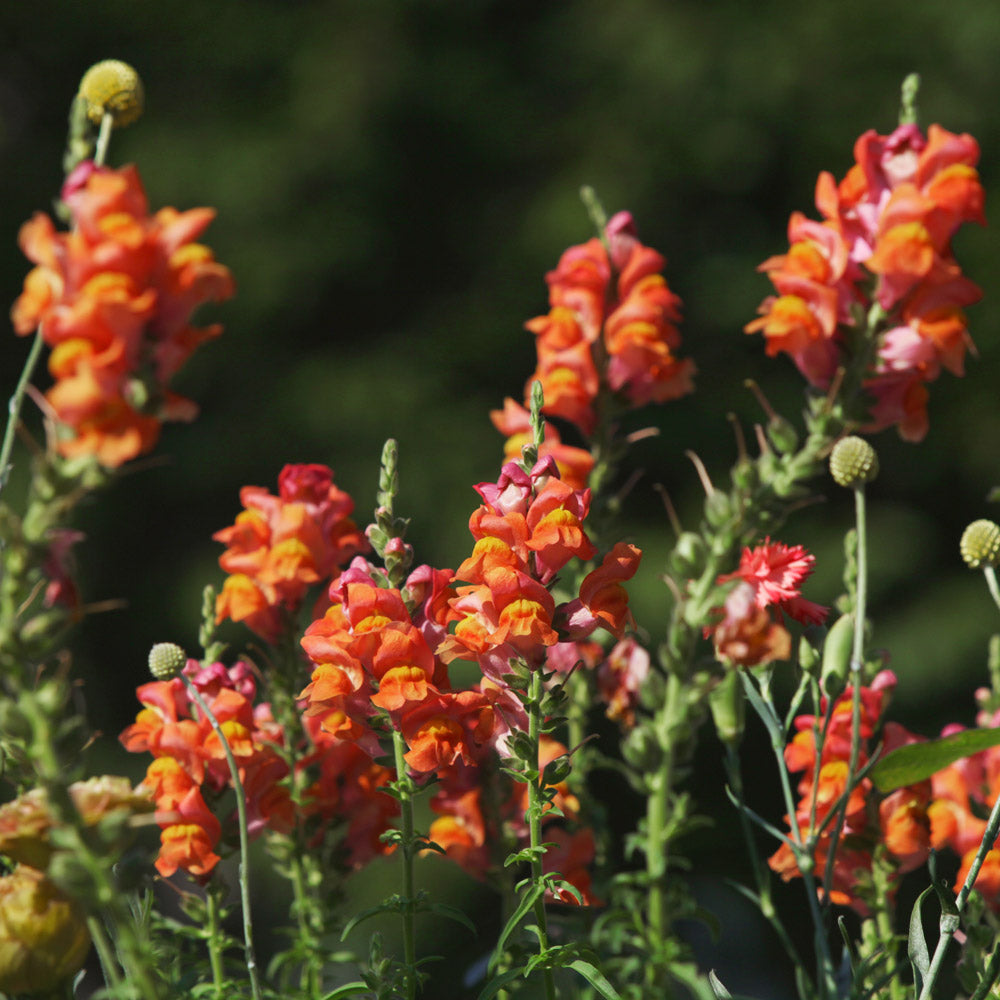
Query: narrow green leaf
[
  {"x": 495, "y": 985},
  {"x": 594, "y": 976},
  {"x": 916, "y": 946},
  {"x": 718, "y": 989},
  {"x": 347, "y": 990},
  {"x": 528, "y": 900},
  {"x": 452, "y": 913},
  {"x": 917, "y": 761}
]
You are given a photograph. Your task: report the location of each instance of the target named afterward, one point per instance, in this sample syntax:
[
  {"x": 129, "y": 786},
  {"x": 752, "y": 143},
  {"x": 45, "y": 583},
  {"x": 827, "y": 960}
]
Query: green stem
[
  {"x": 105, "y": 954},
  {"x": 949, "y": 921},
  {"x": 535, "y": 806},
  {"x": 406, "y": 850},
  {"x": 991, "y": 582},
  {"x": 760, "y": 871},
  {"x": 241, "y": 809},
  {"x": 15, "y": 404},
  {"x": 215, "y": 941},
  {"x": 657, "y": 840},
  {"x": 802, "y": 847}
]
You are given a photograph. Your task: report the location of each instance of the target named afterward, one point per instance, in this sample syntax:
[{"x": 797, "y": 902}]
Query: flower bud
[
  {"x": 980, "y": 544},
  {"x": 112, "y": 87},
  {"x": 782, "y": 434},
  {"x": 166, "y": 660},
  {"x": 837, "y": 654},
  {"x": 688, "y": 557},
  {"x": 718, "y": 508},
  {"x": 728, "y": 704},
  {"x": 853, "y": 462},
  {"x": 43, "y": 935},
  {"x": 640, "y": 750}
]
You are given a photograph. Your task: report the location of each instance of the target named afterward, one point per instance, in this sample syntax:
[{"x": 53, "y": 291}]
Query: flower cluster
[
  {"x": 189, "y": 772},
  {"x": 528, "y": 528},
  {"x": 611, "y": 326},
  {"x": 770, "y": 576},
  {"x": 113, "y": 298},
  {"x": 894, "y": 832},
  {"x": 280, "y": 546},
  {"x": 884, "y": 242},
  {"x": 964, "y": 792}
]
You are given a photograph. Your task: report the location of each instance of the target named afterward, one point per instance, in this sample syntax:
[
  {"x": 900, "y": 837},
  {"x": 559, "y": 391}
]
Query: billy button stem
[{"x": 167, "y": 660}]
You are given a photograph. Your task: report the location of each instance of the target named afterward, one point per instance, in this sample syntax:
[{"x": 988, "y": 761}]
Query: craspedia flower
[
  {"x": 112, "y": 87},
  {"x": 853, "y": 462},
  {"x": 166, "y": 660},
  {"x": 980, "y": 544}
]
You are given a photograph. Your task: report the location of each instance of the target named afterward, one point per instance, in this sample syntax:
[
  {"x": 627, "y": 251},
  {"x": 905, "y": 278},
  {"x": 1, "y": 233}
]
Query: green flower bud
[
  {"x": 688, "y": 557},
  {"x": 640, "y": 750},
  {"x": 808, "y": 655},
  {"x": 837, "y": 653},
  {"x": 980, "y": 544},
  {"x": 853, "y": 462},
  {"x": 166, "y": 660},
  {"x": 782, "y": 434},
  {"x": 718, "y": 508},
  {"x": 43, "y": 934},
  {"x": 112, "y": 87},
  {"x": 728, "y": 704}
]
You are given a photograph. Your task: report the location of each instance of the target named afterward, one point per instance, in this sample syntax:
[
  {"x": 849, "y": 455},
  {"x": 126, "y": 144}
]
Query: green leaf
[
  {"x": 717, "y": 988},
  {"x": 916, "y": 943},
  {"x": 917, "y": 761},
  {"x": 528, "y": 900},
  {"x": 392, "y": 905},
  {"x": 347, "y": 990},
  {"x": 452, "y": 913},
  {"x": 495, "y": 985},
  {"x": 594, "y": 976}
]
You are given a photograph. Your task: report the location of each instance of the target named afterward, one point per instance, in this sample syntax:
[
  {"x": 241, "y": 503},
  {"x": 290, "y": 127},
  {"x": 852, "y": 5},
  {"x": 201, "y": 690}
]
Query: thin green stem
[
  {"x": 760, "y": 872},
  {"x": 14, "y": 407},
  {"x": 105, "y": 954},
  {"x": 535, "y": 806},
  {"x": 802, "y": 847},
  {"x": 406, "y": 850},
  {"x": 214, "y": 935},
  {"x": 991, "y": 581},
  {"x": 949, "y": 922},
  {"x": 103, "y": 138},
  {"x": 241, "y": 809}
]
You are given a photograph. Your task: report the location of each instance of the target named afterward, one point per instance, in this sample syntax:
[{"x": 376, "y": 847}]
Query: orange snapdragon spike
[
  {"x": 114, "y": 299},
  {"x": 885, "y": 239},
  {"x": 612, "y": 323},
  {"x": 280, "y": 546}
]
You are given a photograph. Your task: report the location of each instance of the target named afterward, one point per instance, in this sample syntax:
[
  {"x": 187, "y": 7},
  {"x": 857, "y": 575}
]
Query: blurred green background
[{"x": 392, "y": 181}]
